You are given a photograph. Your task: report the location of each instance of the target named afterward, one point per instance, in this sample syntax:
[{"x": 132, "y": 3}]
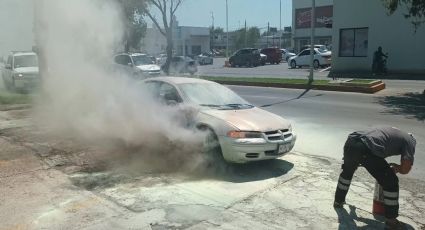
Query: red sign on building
[{"x": 323, "y": 15}]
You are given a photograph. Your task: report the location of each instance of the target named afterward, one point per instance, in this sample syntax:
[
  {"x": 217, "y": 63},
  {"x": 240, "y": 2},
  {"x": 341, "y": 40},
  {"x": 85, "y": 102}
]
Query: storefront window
[{"x": 353, "y": 42}]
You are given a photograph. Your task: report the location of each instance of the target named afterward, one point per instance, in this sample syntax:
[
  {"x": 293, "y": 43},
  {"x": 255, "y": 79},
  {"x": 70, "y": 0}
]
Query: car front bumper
[
  {"x": 255, "y": 150},
  {"x": 24, "y": 83}
]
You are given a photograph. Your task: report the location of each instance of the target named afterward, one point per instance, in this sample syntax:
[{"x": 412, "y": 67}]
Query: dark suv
[
  {"x": 274, "y": 55},
  {"x": 245, "y": 57}
]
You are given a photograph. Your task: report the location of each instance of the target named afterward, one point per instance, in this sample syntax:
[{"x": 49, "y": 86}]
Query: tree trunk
[{"x": 169, "y": 53}]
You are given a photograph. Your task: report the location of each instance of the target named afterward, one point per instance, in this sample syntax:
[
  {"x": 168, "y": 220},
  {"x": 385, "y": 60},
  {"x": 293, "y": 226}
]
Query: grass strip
[{"x": 9, "y": 98}]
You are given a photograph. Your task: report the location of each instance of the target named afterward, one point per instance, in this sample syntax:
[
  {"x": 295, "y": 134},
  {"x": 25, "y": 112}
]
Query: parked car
[
  {"x": 236, "y": 130},
  {"x": 286, "y": 54},
  {"x": 137, "y": 65},
  {"x": 321, "y": 58},
  {"x": 274, "y": 55},
  {"x": 205, "y": 59},
  {"x": 245, "y": 57},
  {"x": 263, "y": 59},
  {"x": 21, "y": 71},
  {"x": 181, "y": 64}
]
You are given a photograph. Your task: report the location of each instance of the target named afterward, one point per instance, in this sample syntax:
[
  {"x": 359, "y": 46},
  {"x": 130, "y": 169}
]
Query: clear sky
[{"x": 256, "y": 12}]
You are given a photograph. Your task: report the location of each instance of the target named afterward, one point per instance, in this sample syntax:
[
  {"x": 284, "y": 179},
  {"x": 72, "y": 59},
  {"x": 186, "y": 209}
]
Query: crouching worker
[{"x": 369, "y": 148}]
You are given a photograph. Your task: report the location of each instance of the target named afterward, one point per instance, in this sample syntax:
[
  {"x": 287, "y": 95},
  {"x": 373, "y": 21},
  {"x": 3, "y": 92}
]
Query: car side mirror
[
  {"x": 130, "y": 64},
  {"x": 8, "y": 66}
]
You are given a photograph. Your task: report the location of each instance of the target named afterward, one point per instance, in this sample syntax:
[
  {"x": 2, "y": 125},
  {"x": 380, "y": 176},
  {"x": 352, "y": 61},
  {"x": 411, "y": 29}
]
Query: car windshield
[
  {"x": 26, "y": 61},
  {"x": 142, "y": 60},
  {"x": 213, "y": 95}
]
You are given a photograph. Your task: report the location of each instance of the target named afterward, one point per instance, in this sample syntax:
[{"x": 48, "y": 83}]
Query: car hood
[
  {"x": 26, "y": 70},
  {"x": 254, "y": 119},
  {"x": 148, "y": 67}
]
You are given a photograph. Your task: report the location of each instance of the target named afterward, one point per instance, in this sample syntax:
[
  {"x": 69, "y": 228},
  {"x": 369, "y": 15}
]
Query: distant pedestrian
[
  {"x": 369, "y": 148},
  {"x": 378, "y": 65}
]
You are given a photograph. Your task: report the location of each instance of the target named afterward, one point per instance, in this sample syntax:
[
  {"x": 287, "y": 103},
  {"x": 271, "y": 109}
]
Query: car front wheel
[{"x": 293, "y": 64}]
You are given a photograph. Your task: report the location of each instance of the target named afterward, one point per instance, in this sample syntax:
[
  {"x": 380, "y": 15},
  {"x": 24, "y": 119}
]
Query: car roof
[
  {"x": 179, "y": 80},
  {"x": 132, "y": 54}
]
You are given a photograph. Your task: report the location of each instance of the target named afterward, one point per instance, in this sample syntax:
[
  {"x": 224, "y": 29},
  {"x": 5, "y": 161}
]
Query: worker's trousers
[{"x": 355, "y": 154}]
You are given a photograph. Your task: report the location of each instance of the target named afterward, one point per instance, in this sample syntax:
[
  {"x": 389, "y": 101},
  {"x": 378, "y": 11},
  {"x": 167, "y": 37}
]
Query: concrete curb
[{"x": 346, "y": 87}]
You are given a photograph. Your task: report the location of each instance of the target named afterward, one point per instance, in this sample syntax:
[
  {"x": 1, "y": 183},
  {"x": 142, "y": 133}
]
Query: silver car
[
  {"x": 239, "y": 131},
  {"x": 21, "y": 70}
]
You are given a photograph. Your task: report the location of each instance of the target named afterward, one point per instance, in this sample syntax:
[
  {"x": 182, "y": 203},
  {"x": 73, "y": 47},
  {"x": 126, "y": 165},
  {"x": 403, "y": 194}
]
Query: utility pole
[
  {"x": 212, "y": 32},
  {"x": 280, "y": 24},
  {"x": 313, "y": 24},
  {"x": 246, "y": 35},
  {"x": 227, "y": 31},
  {"x": 268, "y": 32}
]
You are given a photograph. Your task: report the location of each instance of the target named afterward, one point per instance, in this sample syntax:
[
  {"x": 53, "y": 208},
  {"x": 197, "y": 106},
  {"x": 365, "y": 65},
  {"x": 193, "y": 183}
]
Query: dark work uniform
[{"x": 369, "y": 148}]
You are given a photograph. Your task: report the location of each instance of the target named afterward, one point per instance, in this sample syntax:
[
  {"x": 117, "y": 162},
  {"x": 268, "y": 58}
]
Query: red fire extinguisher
[{"x": 378, "y": 200}]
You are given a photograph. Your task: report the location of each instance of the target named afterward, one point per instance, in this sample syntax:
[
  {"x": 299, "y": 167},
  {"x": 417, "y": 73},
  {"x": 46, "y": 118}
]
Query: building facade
[
  {"x": 301, "y": 22},
  {"x": 359, "y": 30},
  {"x": 187, "y": 40}
]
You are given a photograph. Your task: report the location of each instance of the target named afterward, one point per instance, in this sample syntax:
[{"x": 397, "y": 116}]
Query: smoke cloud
[{"x": 83, "y": 98}]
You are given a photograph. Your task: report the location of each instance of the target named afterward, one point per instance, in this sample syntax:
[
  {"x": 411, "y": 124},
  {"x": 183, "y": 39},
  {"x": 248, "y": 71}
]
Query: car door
[
  {"x": 303, "y": 58},
  {"x": 124, "y": 61}
]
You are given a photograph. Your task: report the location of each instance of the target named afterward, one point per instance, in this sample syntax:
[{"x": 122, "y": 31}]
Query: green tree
[
  {"x": 167, "y": 10},
  {"x": 135, "y": 25},
  {"x": 250, "y": 37},
  {"x": 415, "y": 9}
]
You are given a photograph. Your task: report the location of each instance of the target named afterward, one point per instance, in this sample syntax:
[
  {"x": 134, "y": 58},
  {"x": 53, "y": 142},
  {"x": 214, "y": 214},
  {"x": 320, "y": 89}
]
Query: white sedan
[
  {"x": 236, "y": 130},
  {"x": 321, "y": 58}
]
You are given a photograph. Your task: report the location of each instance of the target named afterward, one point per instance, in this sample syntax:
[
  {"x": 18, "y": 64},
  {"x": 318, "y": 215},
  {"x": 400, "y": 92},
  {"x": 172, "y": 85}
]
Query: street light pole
[
  {"x": 313, "y": 24},
  {"x": 280, "y": 24},
  {"x": 227, "y": 31}
]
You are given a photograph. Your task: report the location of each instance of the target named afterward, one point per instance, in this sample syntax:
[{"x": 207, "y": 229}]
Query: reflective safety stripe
[
  {"x": 344, "y": 181},
  {"x": 391, "y": 194},
  {"x": 390, "y": 202},
  {"x": 342, "y": 187}
]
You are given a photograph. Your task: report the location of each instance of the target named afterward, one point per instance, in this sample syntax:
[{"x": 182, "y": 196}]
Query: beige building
[
  {"x": 361, "y": 26},
  {"x": 301, "y": 22},
  {"x": 195, "y": 40}
]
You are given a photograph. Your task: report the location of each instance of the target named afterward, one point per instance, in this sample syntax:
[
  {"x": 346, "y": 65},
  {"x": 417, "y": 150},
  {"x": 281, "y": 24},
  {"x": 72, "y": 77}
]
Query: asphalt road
[
  {"x": 275, "y": 71},
  {"x": 323, "y": 119}
]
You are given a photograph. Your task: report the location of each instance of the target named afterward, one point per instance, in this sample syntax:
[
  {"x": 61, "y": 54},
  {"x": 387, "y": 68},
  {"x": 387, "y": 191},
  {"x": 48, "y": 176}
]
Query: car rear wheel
[{"x": 293, "y": 64}]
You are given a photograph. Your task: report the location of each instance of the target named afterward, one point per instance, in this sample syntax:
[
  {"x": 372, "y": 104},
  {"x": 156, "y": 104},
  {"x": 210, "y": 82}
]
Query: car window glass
[
  {"x": 305, "y": 52},
  {"x": 25, "y": 61},
  {"x": 168, "y": 92},
  {"x": 152, "y": 88},
  {"x": 122, "y": 59}
]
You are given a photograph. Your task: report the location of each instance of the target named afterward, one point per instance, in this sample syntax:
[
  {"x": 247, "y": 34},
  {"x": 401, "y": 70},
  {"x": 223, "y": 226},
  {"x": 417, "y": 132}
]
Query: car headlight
[
  {"x": 19, "y": 75},
  {"x": 242, "y": 134}
]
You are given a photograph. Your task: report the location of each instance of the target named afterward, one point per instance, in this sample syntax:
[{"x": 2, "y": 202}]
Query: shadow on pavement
[
  {"x": 409, "y": 104},
  {"x": 347, "y": 220},
  {"x": 293, "y": 99},
  {"x": 254, "y": 171}
]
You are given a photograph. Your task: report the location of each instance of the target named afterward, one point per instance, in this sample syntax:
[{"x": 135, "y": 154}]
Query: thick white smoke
[{"x": 82, "y": 97}]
